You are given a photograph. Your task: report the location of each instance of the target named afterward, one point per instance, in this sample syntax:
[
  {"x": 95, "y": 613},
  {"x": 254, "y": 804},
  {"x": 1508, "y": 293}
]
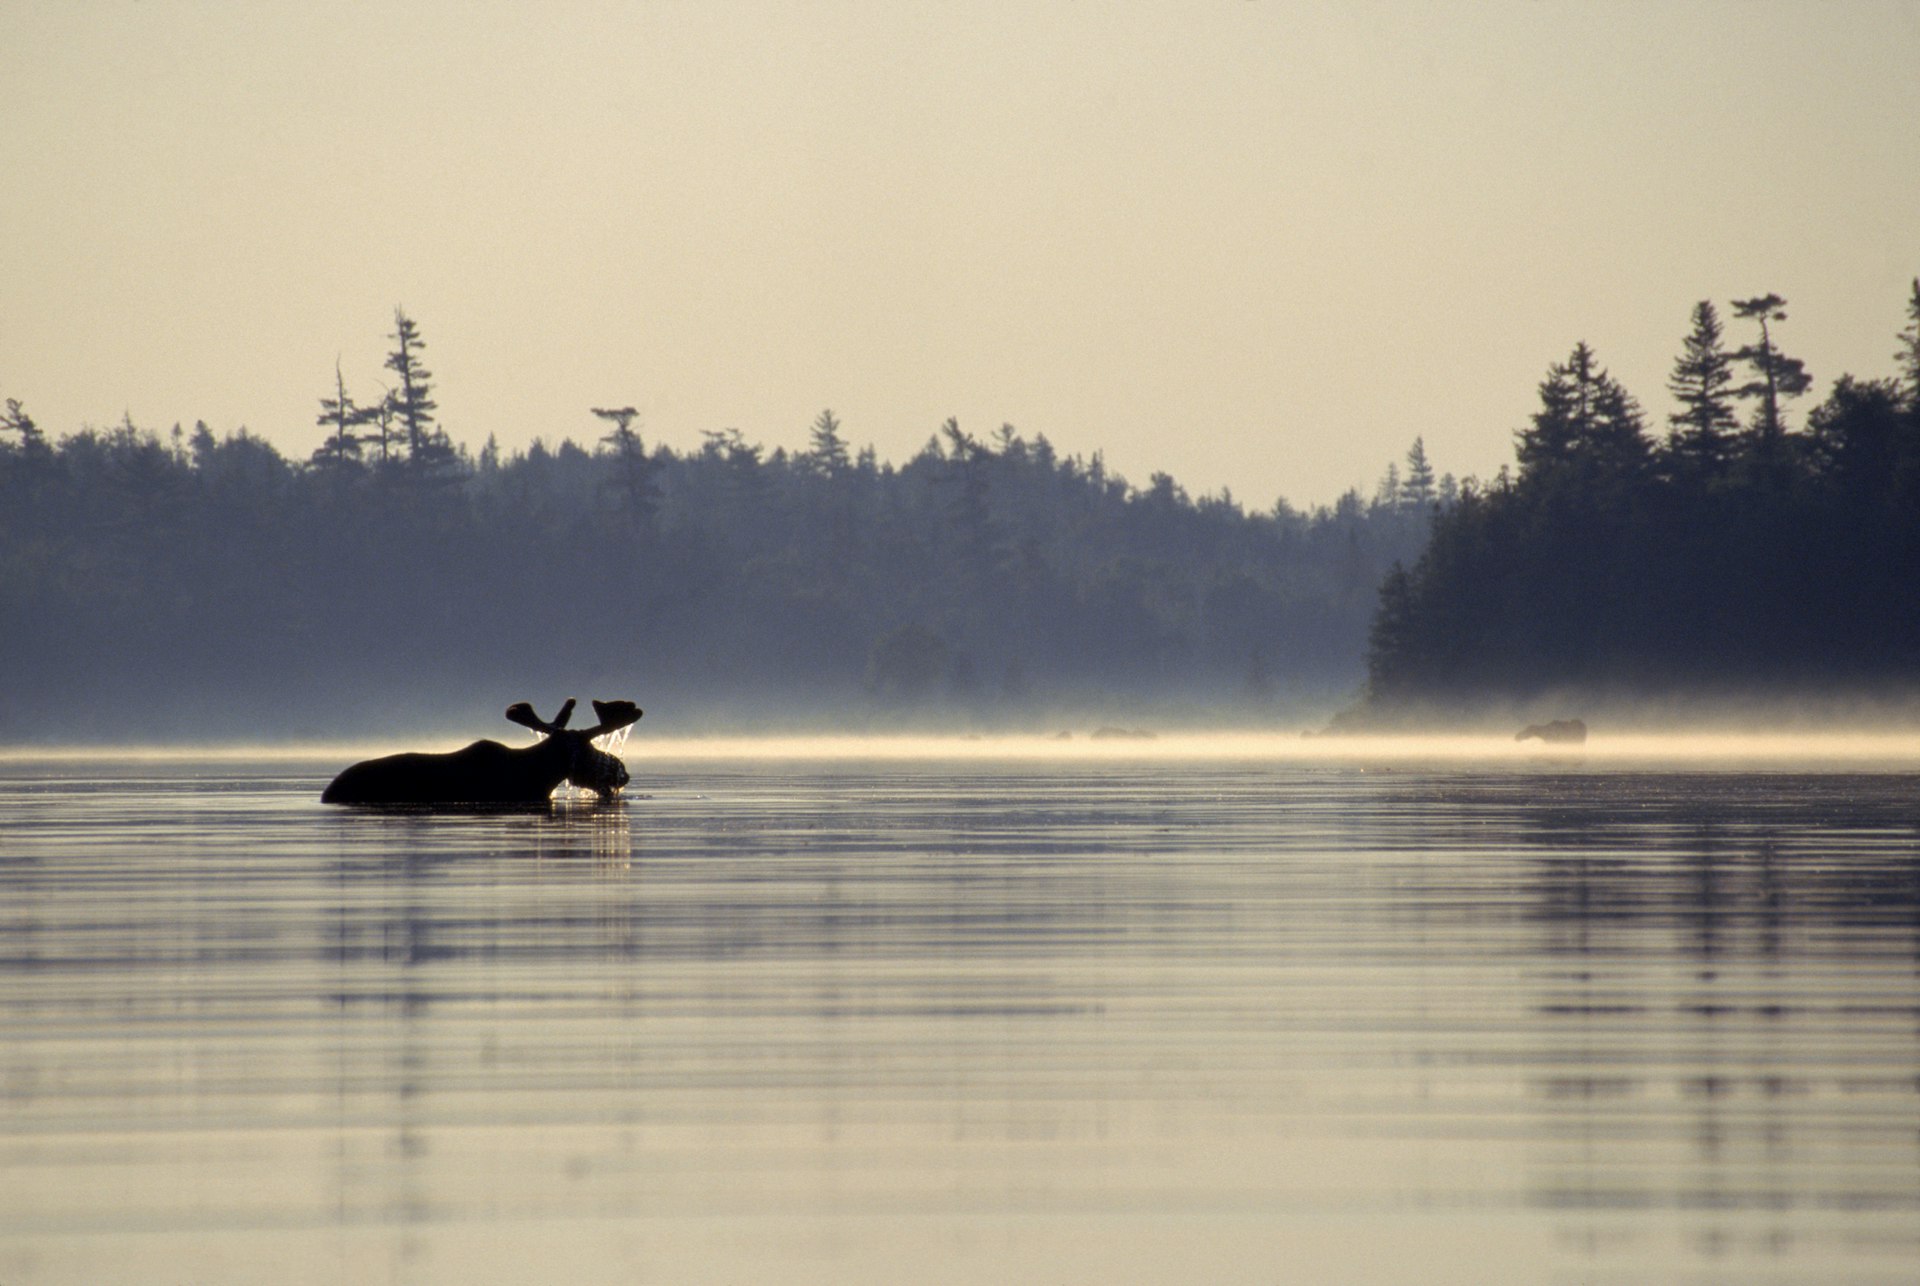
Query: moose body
[
  {"x": 1562, "y": 731},
  {"x": 488, "y": 773}
]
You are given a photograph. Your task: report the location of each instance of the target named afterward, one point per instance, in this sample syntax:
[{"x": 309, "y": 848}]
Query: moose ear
[
  {"x": 522, "y": 713},
  {"x": 566, "y": 713},
  {"x": 614, "y": 715}
]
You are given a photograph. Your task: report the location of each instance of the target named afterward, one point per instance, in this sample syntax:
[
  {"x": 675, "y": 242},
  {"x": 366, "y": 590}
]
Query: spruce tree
[
  {"x": 1550, "y": 441},
  {"x": 1699, "y": 434},
  {"x": 827, "y": 450},
  {"x": 1386, "y": 492},
  {"x": 1417, "y": 487},
  {"x": 412, "y": 402},
  {"x": 1908, "y": 354},
  {"x": 1588, "y": 426},
  {"x": 1615, "y": 441}
]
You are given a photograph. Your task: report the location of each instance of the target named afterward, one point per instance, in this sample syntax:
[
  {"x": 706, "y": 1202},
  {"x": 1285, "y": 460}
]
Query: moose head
[
  {"x": 587, "y": 766},
  {"x": 487, "y": 772}
]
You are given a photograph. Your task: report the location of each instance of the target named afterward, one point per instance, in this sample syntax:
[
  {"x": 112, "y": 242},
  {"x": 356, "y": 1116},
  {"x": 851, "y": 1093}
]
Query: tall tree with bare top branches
[
  {"x": 633, "y": 471},
  {"x": 341, "y": 414},
  {"x": 1776, "y": 377},
  {"x": 411, "y": 400}
]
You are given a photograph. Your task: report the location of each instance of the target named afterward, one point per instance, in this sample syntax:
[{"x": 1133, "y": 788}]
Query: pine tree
[
  {"x": 412, "y": 402},
  {"x": 340, "y": 413},
  {"x": 203, "y": 445},
  {"x": 1776, "y": 376},
  {"x": 1386, "y": 493},
  {"x": 1615, "y": 442},
  {"x": 622, "y": 419},
  {"x": 16, "y": 420},
  {"x": 1553, "y": 438},
  {"x": 633, "y": 471},
  {"x": 1588, "y": 425},
  {"x": 380, "y": 414},
  {"x": 1548, "y": 442},
  {"x": 1699, "y": 433},
  {"x": 1417, "y": 487},
  {"x": 1908, "y": 355},
  {"x": 1395, "y": 639},
  {"x": 827, "y": 450},
  {"x": 1008, "y": 444},
  {"x": 968, "y": 510}
]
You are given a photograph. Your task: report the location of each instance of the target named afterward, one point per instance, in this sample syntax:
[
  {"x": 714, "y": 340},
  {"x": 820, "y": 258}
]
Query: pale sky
[{"x": 1253, "y": 243}]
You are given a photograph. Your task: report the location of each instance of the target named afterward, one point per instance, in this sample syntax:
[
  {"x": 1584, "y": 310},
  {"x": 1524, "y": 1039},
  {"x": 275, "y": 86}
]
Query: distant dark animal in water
[
  {"x": 487, "y": 772},
  {"x": 1564, "y": 731}
]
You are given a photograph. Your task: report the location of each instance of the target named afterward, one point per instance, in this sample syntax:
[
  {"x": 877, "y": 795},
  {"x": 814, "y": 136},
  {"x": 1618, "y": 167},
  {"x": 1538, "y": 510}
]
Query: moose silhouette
[
  {"x": 487, "y": 772},
  {"x": 1564, "y": 731}
]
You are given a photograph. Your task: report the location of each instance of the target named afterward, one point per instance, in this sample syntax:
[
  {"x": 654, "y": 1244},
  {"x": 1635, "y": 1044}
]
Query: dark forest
[
  {"x": 1737, "y": 555},
  {"x": 185, "y": 585},
  {"x": 181, "y": 585}
]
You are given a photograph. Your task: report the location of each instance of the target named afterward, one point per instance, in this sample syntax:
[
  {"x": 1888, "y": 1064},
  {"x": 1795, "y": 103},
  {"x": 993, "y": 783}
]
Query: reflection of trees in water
[{"x": 1732, "y": 1009}]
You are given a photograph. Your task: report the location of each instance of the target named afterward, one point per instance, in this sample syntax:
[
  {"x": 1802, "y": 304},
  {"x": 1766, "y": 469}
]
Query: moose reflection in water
[{"x": 487, "y": 772}]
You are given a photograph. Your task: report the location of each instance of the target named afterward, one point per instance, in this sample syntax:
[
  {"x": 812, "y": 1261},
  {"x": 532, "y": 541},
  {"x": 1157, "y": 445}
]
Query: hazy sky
[{"x": 1253, "y": 243}]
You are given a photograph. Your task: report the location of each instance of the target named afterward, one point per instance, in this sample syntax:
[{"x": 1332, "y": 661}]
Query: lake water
[{"x": 1157, "y": 1018}]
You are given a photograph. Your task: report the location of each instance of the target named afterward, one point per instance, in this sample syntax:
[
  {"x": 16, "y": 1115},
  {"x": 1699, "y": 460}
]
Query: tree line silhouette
[
  {"x": 1737, "y": 554},
  {"x": 183, "y": 583}
]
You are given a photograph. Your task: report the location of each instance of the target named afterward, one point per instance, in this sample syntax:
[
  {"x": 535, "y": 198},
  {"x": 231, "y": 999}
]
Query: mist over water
[
  {"x": 1015, "y": 1011},
  {"x": 1821, "y": 747}
]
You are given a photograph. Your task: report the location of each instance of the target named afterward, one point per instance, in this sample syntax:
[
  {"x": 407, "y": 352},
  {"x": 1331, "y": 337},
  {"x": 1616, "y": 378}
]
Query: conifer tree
[
  {"x": 633, "y": 475},
  {"x": 1857, "y": 439},
  {"x": 16, "y": 420},
  {"x": 1394, "y": 639},
  {"x": 827, "y": 450},
  {"x": 1588, "y": 425},
  {"x": 412, "y": 402},
  {"x": 1616, "y": 441},
  {"x": 380, "y": 414},
  {"x": 343, "y": 416},
  {"x": 1386, "y": 493},
  {"x": 1566, "y": 399},
  {"x": 1417, "y": 487},
  {"x": 968, "y": 510},
  {"x": 622, "y": 419},
  {"x": 1776, "y": 376},
  {"x": 1699, "y": 433},
  {"x": 1908, "y": 355},
  {"x": 1008, "y": 444}
]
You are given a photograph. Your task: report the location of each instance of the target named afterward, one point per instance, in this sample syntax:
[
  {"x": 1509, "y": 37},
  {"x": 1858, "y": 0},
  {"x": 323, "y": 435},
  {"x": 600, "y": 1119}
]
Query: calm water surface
[{"x": 1535, "y": 1021}]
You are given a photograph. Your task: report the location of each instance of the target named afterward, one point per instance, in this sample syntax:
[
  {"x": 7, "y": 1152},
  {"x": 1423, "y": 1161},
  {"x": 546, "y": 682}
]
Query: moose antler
[
  {"x": 521, "y": 712},
  {"x": 613, "y": 716}
]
